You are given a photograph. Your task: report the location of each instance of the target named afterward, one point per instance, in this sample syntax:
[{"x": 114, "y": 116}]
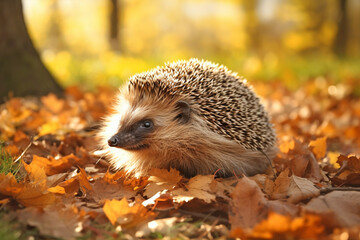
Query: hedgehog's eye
[{"x": 146, "y": 124}]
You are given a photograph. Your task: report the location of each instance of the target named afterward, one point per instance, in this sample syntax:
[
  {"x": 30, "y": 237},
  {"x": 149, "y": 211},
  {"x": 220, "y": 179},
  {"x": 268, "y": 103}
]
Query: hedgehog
[{"x": 195, "y": 116}]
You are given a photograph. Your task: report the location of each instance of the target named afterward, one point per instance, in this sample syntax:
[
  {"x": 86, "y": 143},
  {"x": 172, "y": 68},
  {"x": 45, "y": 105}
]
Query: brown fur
[{"x": 192, "y": 148}]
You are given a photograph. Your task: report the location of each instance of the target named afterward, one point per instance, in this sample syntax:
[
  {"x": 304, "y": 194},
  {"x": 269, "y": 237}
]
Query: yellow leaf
[
  {"x": 333, "y": 157},
  {"x": 49, "y": 128},
  {"x": 57, "y": 189},
  {"x": 319, "y": 147},
  {"x": 128, "y": 217}
]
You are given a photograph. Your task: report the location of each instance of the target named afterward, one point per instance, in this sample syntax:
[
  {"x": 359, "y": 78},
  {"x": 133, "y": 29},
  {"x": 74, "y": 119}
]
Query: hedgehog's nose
[{"x": 113, "y": 141}]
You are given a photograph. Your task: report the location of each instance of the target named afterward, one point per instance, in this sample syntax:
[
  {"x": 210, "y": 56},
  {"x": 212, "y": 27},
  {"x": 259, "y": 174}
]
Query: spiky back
[{"x": 227, "y": 105}]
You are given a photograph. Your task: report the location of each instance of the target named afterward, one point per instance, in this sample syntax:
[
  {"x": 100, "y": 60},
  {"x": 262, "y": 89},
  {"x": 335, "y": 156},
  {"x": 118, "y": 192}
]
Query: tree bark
[
  {"x": 114, "y": 37},
  {"x": 21, "y": 70},
  {"x": 341, "y": 39}
]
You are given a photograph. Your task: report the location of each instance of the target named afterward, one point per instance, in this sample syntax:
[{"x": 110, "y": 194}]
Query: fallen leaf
[
  {"x": 119, "y": 212},
  {"x": 248, "y": 206},
  {"x": 54, "y": 166},
  {"x": 318, "y": 147},
  {"x": 53, "y": 103},
  {"x": 197, "y": 187},
  {"x": 293, "y": 189},
  {"x": 278, "y": 226},
  {"x": 161, "y": 179},
  {"x": 349, "y": 172},
  {"x": 57, "y": 189},
  {"x": 56, "y": 220},
  {"x": 338, "y": 208}
]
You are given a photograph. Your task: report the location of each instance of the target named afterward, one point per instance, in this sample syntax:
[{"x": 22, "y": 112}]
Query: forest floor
[{"x": 53, "y": 184}]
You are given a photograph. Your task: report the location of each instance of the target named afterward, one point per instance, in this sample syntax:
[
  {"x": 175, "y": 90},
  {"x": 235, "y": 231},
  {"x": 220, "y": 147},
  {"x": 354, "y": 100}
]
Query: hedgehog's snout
[
  {"x": 113, "y": 141},
  {"x": 122, "y": 140}
]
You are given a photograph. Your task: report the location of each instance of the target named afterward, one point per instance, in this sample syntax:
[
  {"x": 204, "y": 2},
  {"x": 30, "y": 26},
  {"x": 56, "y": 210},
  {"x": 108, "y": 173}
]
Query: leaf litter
[{"x": 68, "y": 190}]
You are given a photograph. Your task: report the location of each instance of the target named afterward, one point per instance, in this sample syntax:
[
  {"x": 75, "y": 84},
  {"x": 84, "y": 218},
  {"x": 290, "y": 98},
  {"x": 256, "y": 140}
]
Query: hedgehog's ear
[{"x": 184, "y": 111}]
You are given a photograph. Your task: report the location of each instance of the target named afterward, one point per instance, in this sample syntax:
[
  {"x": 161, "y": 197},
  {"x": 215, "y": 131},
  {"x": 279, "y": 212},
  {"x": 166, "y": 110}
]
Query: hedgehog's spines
[{"x": 217, "y": 86}]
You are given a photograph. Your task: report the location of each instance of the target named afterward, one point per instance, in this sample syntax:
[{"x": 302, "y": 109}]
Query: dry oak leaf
[
  {"x": 294, "y": 189},
  {"x": 349, "y": 173},
  {"x": 303, "y": 162},
  {"x": 161, "y": 179},
  {"x": 278, "y": 226},
  {"x": 78, "y": 182},
  {"x": 103, "y": 189},
  {"x": 318, "y": 147},
  {"x": 353, "y": 163},
  {"x": 338, "y": 208},
  {"x": 249, "y": 206},
  {"x": 119, "y": 212},
  {"x": 300, "y": 160},
  {"x": 200, "y": 187},
  {"x": 55, "y": 220}
]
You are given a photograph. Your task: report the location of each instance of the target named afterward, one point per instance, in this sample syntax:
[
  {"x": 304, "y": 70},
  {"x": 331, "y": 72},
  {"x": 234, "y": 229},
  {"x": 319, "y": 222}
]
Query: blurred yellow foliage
[{"x": 258, "y": 39}]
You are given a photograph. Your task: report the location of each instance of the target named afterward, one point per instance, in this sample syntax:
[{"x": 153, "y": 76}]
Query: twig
[
  {"x": 330, "y": 189},
  {"x": 22, "y": 154},
  {"x": 205, "y": 216}
]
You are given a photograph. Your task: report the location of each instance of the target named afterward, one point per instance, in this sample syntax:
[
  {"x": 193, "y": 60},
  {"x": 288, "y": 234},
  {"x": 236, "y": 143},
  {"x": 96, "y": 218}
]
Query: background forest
[
  {"x": 302, "y": 58},
  {"x": 104, "y": 42}
]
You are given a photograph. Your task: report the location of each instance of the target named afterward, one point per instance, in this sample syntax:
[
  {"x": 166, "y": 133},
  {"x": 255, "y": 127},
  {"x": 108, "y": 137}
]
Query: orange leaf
[
  {"x": 318, "y": 147},
  {"x": 128, "y": 217},
  {"x": 84, "y": 183},
  {"x": 4, "y": 201},
  {"x": 285, "y": 146},
  {"x": 28, "y": 194},
  {"x": 53, "y": 166},
  {"x": 53, "y": 103},
  {"x": 277, "y": 226},
  {"x": 36, "y": 174},
  {"x": 57, "y": 189}
]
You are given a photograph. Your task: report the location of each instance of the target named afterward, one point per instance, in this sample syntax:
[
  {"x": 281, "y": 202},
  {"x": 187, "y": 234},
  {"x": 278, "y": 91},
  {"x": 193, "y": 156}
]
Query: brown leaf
[
  {"x": 338, "y": 208},
  {"x": 102, "y": 189},
  {"x": 56, "y": 220},
  {"x": 161, "y": 179},
  {"x": 248, "y": 206},
  {"x": 294, "y": 189},
  {"x": 349, "y": 172},
  {"x": 198, "y": 187}
]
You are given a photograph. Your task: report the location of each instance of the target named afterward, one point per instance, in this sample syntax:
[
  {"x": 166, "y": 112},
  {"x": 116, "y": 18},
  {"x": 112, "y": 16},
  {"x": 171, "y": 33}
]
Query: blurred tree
[
  {"x": 252, "y": 24},
  {"x": 114, "y": 25},
  {"x": 54, "y": 32},
  {"x": 341, "y": 39},
  {"x": 21, "y": 70}
]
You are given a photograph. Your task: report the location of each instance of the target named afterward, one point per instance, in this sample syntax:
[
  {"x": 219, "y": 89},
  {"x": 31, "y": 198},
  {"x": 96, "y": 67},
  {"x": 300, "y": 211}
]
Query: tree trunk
[
  {"x": 114, "y": 37},
  {"x": 341, "y": 40},
  {"x": 21, "y": 70}
]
